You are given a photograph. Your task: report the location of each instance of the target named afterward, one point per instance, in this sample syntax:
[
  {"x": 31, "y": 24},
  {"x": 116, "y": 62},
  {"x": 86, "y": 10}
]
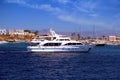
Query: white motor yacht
[{"x": 59, "y": 44}]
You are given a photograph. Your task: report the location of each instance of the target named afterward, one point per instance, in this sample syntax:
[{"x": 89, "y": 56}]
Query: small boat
[
  {"x": 11, "y": 41},
  {"x": 3, "y": 42},
  {"x": 19, "y": 41},
  {"x": 59, "y": 44},
  {"x": 98, "y": 43},
  {"x": 112, "y": 44}
]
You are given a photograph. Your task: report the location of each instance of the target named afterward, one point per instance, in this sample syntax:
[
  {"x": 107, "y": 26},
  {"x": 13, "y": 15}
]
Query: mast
[{"x": 93, "y": 32}]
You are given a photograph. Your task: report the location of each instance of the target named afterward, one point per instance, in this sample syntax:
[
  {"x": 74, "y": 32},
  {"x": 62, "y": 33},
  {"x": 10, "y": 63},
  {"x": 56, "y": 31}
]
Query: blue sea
[{"x": 101, "y": 63}]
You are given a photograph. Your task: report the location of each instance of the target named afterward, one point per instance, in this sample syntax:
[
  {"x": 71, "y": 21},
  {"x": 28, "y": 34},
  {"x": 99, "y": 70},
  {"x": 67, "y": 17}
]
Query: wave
[{"x": 13, "y": 51}]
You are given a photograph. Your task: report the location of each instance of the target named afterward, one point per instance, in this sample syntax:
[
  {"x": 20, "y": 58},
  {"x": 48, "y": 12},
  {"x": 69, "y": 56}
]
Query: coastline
[{"x": 27, "y": 38}]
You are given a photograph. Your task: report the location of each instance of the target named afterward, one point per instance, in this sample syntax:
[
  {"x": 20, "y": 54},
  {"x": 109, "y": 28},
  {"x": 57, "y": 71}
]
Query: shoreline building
[
  {"x": 16, "y": 32},
  {"x": 3, "y": 31},
  {"x": 114, "y": 38},
  {"x": 20, "y": 32}
]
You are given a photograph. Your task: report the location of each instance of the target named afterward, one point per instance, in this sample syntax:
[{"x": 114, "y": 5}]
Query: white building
[
  {"x": 114, "y": 38},
  {"x": 16, "y": 32},
  {"x": 3, "y": 31},
  {"x": 19, "y": 32}
]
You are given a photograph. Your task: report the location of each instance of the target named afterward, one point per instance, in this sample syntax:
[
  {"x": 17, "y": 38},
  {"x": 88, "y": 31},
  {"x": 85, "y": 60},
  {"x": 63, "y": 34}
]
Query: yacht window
[
  {"x": 73, "y": 44},
  {"x": 42, "y": 39},
  {"x": 52, "y": 44},
  {"x": 54, "y": 37},
  {"x": 64, "y": 40},
  {"x": 34, "y": 44},
  {"x": 57, "y": 40},
  {"x": 61, "y": 40},
  {"x": 67, "y": 40},
  {"x": 79, "y": 43}
]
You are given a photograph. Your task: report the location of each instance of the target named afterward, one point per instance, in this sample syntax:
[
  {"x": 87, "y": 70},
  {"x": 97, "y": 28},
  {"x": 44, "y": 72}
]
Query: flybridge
[
  {"x": 53, "y": 34},
  {"x": 59, "y": 37}
]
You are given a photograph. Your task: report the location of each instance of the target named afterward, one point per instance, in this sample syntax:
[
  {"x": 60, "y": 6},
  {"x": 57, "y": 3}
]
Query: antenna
[
  {"x": 80, "y": 31},
  {"x": 52, "y": 33},
  {"x": 93, "y": 31}
]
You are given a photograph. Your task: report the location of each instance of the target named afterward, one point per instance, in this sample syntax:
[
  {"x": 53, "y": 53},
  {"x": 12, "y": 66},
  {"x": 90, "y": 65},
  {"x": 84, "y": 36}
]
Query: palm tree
[
  {"x": 88, "y": 37},
  {"x": 78, "y": 35},
  {"x": 36, "y": 32},
  {"x": 73, "y": 34},
  {"x": 103, "y": 37},
  {"x": 27, "y": 31}
]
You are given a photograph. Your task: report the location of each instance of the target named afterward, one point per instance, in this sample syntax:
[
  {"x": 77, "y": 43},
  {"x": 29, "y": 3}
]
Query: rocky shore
[{"x": 16, "y": 37}]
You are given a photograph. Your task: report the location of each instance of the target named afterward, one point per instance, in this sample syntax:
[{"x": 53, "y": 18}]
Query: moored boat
[
  {"x": 98, "y": 43},
  {"x": 3, "y": 42}
]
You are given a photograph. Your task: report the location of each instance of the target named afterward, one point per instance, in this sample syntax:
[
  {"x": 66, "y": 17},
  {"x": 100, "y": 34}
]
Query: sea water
[{"x": 101, "y": 63}]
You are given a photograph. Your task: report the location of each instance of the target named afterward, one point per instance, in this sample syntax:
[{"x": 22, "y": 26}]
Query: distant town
[
  {"x": 28, "y": 35},
  {"x": 18, "y": 34}
]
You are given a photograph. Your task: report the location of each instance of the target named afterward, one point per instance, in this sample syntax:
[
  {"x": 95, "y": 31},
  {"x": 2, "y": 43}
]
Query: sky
[{"x": 61, "y": 15}]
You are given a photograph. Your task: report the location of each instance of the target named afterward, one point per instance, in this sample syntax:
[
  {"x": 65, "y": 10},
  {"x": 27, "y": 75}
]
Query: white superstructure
[{"x": 59, "y": 44}]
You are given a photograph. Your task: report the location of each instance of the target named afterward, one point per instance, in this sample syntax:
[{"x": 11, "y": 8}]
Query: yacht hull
[{"x": 78, "y": 49}]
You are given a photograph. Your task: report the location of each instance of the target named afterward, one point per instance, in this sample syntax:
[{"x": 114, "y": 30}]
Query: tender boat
[
  {"x": 98, "y": 43},
  {"x": 112, "y": 44},
  {"x": 59, "y": 44},
  {"x": 3, "y": 42}
]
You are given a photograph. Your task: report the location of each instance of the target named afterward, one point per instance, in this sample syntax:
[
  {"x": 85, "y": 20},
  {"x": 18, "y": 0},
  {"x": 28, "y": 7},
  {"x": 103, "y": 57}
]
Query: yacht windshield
[
  {"x": 34, "y": 44},
  {"x": 63, "y": 40}
]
